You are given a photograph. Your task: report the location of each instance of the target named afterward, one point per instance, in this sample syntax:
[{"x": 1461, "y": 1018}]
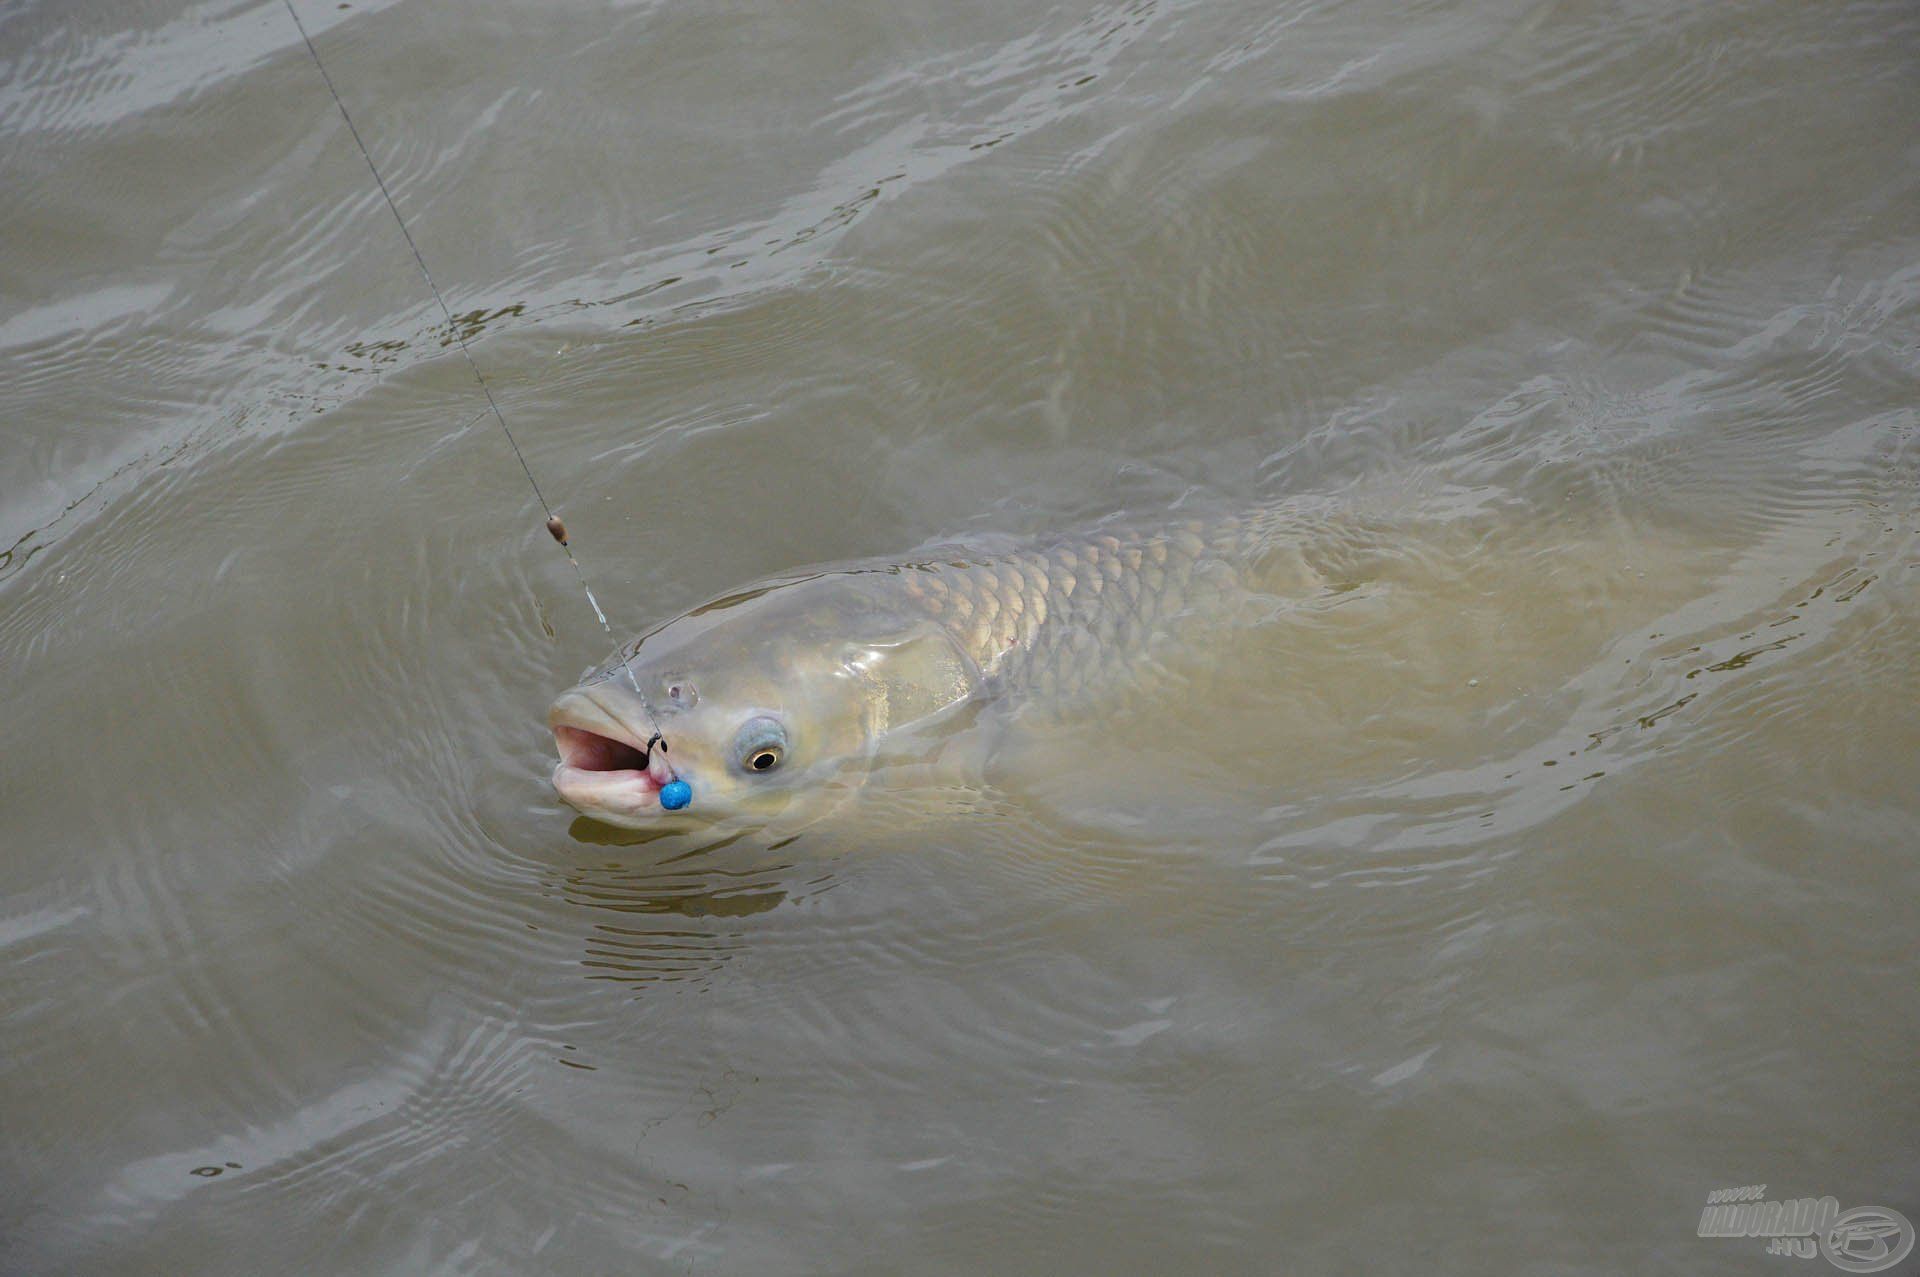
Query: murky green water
[{"x": 1484, "y": 923}]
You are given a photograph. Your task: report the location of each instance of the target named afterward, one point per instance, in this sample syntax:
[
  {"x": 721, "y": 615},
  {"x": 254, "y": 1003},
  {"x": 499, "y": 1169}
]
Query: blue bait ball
[{"x": 675, "y": 794}]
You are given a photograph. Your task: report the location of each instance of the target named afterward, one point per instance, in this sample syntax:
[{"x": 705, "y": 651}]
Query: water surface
[{"x": 1485, "y": 923}]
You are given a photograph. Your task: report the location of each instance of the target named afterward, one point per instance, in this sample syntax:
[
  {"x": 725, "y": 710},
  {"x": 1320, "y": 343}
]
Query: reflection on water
[
  {"x": 656, "y": 933},
  {"x": 1482, "y": 917}
]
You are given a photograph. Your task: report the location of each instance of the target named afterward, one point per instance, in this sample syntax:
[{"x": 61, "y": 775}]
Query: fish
[{"x": 778, "y": 701}]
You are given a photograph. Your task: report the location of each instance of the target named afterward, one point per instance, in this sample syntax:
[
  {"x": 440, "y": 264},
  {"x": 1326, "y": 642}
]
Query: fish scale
[{"x": 1075, "y": 612}]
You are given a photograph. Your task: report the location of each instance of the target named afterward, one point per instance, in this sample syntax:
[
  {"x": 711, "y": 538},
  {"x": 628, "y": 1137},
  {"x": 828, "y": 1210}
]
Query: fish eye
[
  {"x": 682, "y": 693},
  {"x": 760, "y": 745}
]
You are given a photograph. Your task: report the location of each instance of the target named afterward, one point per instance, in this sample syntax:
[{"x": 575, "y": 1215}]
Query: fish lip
[{"x": 614, "y": 794}]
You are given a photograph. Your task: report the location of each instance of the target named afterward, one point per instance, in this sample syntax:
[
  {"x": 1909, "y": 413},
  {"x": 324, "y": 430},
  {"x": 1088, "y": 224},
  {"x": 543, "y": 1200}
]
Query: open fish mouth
[{"x": 604, "y": 770}]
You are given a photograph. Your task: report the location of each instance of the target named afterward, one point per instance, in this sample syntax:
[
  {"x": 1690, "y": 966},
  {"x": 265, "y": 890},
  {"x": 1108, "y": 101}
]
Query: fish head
[{"x": 771, "y": 704}]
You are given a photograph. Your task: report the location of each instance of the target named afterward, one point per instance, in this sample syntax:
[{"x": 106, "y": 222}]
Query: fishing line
[{"x": 676, "y": 793}]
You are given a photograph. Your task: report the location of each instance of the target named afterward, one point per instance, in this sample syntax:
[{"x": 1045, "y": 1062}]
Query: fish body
[{"x": 777, "y": 700}]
